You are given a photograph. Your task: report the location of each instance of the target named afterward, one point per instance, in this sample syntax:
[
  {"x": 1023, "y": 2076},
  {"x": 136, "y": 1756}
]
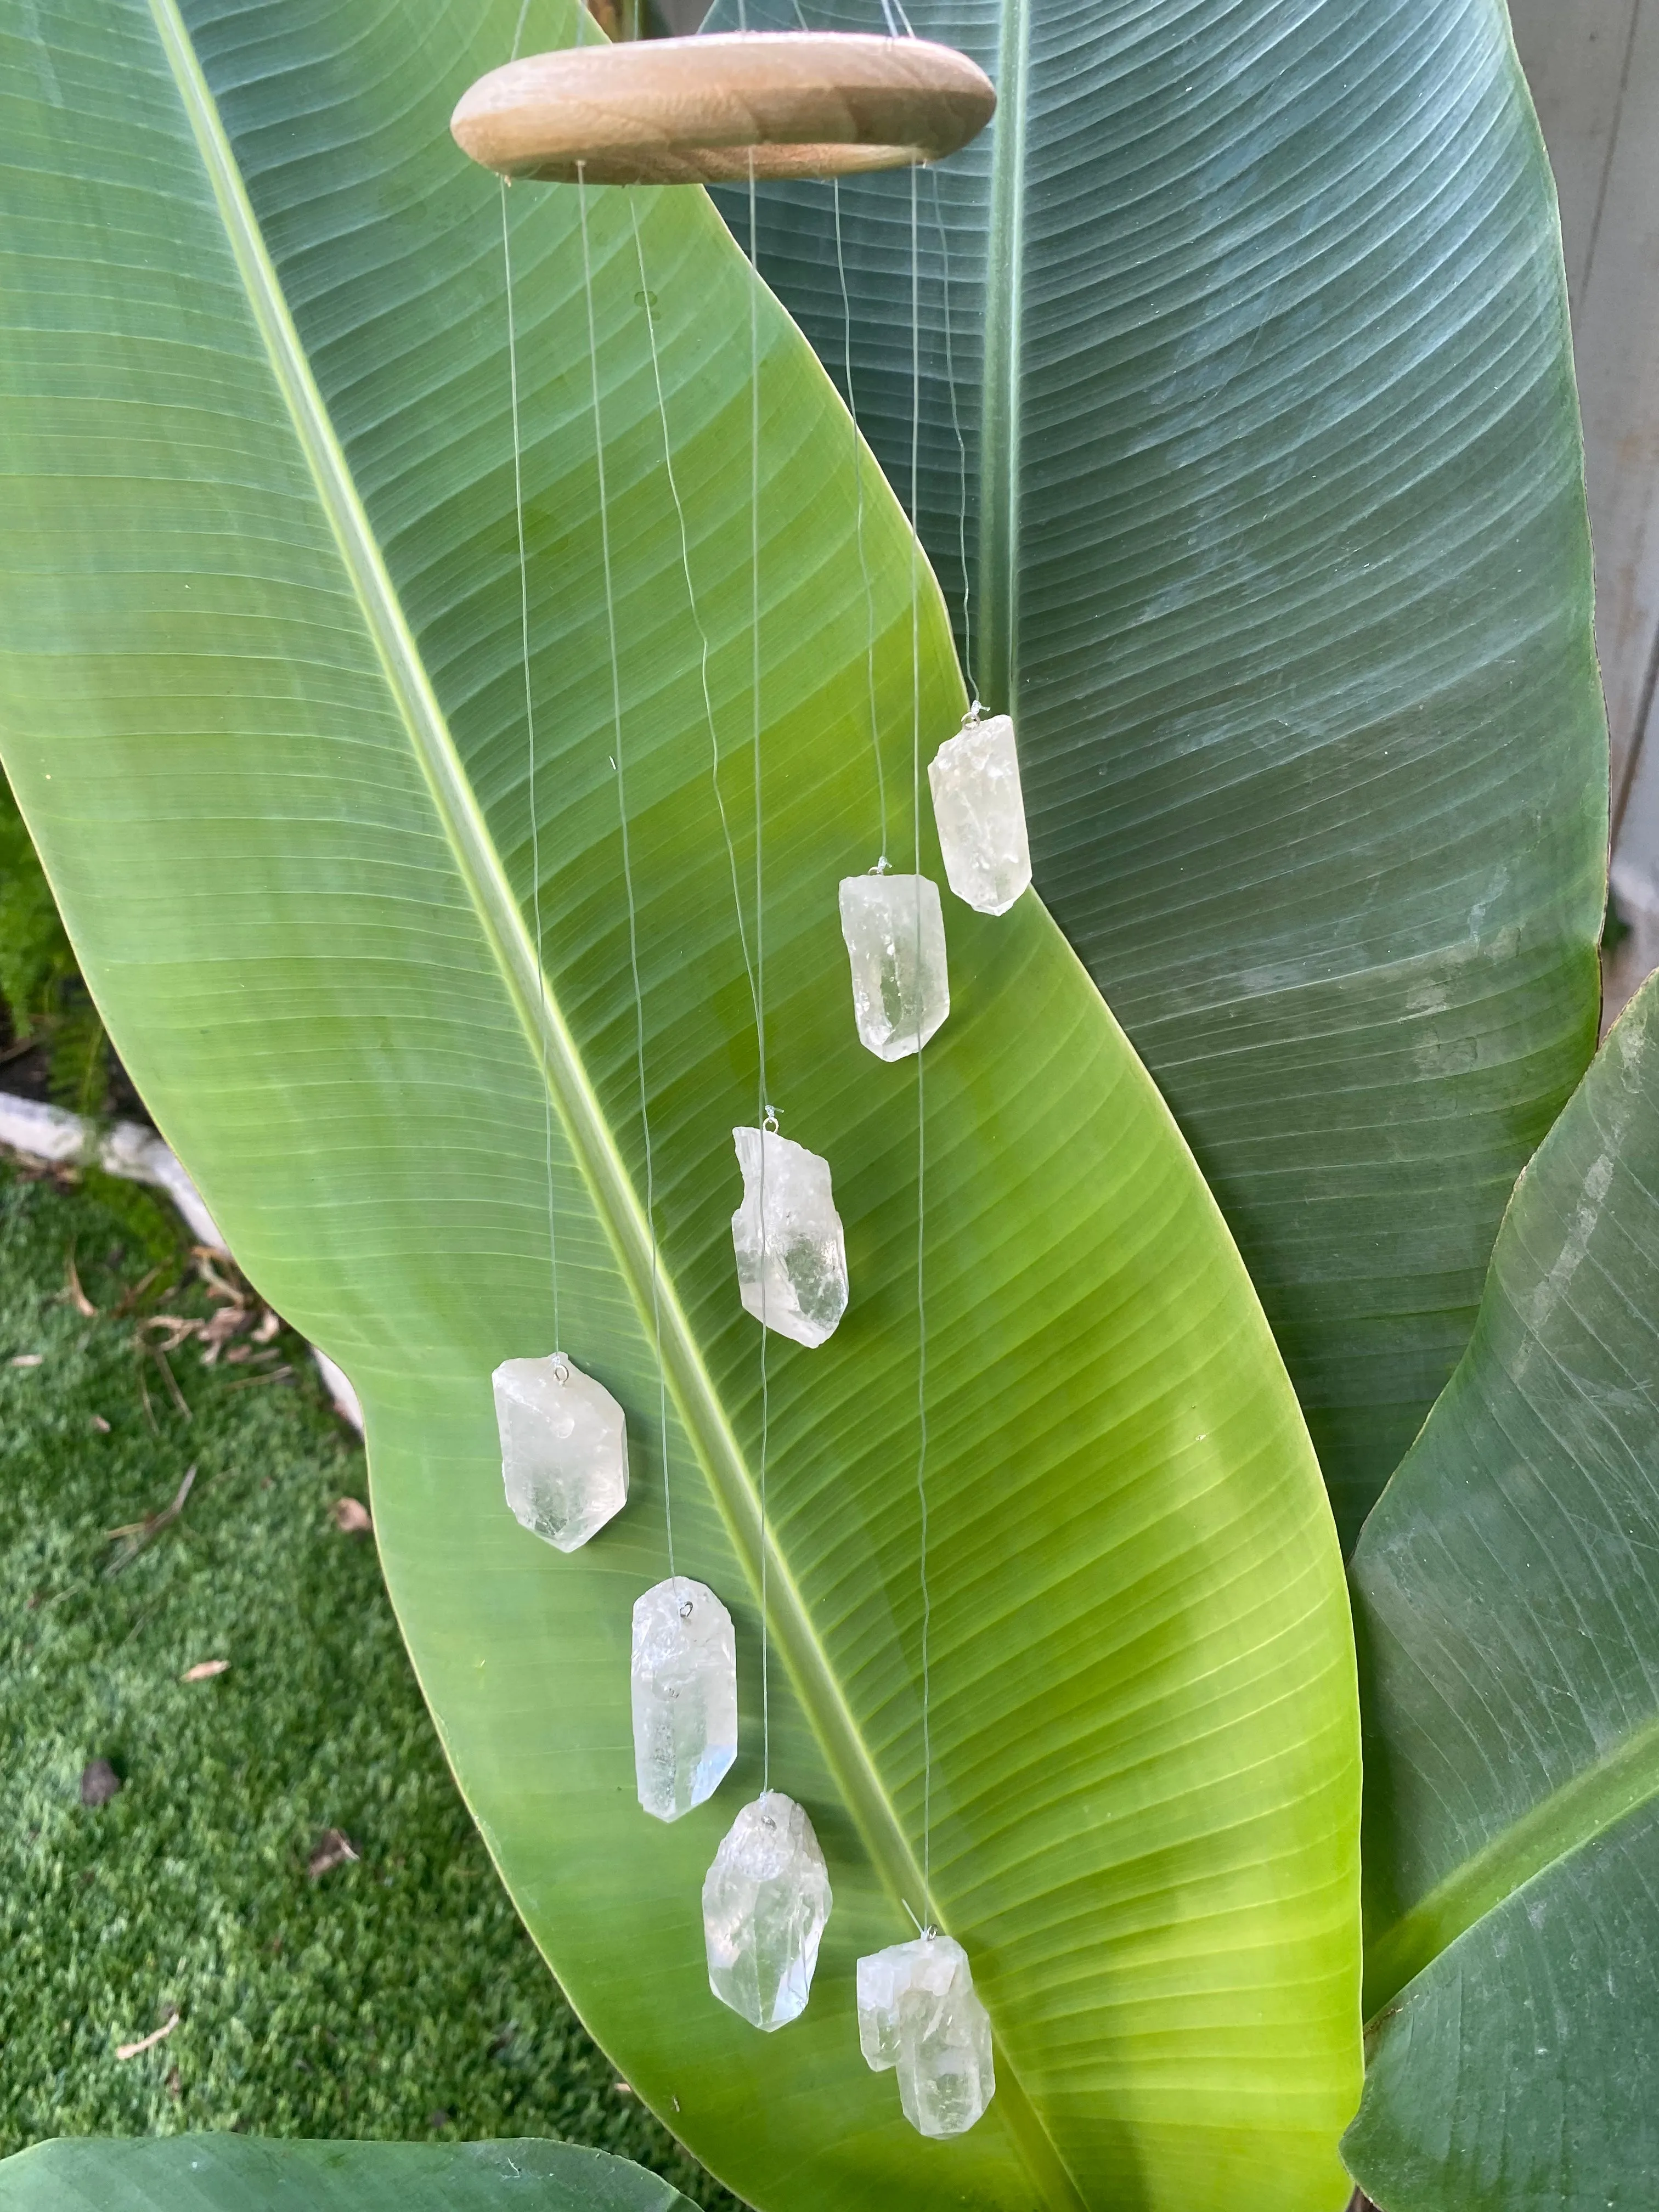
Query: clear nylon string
[
  {"x": 864, "y": 560},
  {"x": 921, "y": 1108},
  {"x": 691, "y": 601},
  {"x": 530, "y": 728},
  {"x": 766, "y": 1115},
  {"x": 627, "y": 858},
  {"x": 962, "y": 453}
]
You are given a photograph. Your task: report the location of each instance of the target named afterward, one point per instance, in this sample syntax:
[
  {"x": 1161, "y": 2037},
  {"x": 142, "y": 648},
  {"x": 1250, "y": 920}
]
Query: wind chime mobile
[{"x": 737, "y": 108}]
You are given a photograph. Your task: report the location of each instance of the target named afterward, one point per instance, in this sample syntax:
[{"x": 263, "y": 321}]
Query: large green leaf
[
  {"x": 264, "y": 709},
  {"x": 241, "y": 2173},
  {"x": 1506, "y": 1586},
  {"x": 1275, "y": 510}
]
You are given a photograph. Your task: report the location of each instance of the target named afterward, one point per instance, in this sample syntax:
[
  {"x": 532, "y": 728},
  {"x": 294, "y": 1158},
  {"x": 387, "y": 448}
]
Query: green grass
[
  {"x": 42, "y": 997},
  {"x": 395, "y": 1998}
]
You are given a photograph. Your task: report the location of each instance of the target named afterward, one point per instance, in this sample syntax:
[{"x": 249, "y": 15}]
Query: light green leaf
[
  {"x": 264, "y": 709},
  {"x": 1275, "y": 510},
  {"x": 243, "y": 2174},
  {"x": 1506, "y": 1591}
]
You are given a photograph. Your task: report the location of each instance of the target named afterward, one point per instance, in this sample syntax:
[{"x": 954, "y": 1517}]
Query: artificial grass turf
[{"x": 397, "y": 1996}]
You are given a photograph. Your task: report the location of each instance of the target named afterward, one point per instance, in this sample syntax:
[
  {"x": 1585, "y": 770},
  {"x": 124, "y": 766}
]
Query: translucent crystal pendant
[
  {"x": 792, "y": 1257},
  {"x": 918, "y": 2012},
  {"x": 684, "y": 1677},
  {"x": 564, "y": 1448},
  {"x": 895, "y": 931},
  {"x": 980, "y": 815},
  {"x": 765, "y": 1901}
]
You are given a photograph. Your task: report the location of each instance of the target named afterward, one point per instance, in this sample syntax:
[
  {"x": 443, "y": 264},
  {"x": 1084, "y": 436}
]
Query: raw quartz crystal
[
  {"x": 918, "y": 2012},
  {"x": 765, "y": 1901},
  {"x": 564, "y": 1448},
  {"x": 792, "y": 1256},
  {"x": 980, "y": 815},
  {"x": 684, "y": 1675},
  {"x": 895, "y": 931}
]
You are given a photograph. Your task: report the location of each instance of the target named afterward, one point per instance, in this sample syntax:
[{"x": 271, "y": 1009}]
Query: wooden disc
[{"x": 700, "y": 111}]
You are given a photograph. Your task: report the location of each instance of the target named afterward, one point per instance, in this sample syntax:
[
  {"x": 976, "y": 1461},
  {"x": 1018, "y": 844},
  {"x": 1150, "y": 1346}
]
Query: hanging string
[
  {"x": 864, "y": 559},
  {"x": 881, "y": 866},
  {"x": 530, "y": 728},
  {"x": 768, "y": 1118},
  {"x": 627, "y": 859},
  {"x": 921, "y": 1108},
  {"x": 754, "y": 640},
  {"x": 765, "y": 1114},
  {"x": 975, "y": 709},
  {"x": 645, "y": 300}
]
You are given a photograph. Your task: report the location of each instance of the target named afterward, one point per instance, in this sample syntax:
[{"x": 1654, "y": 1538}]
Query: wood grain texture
[{"x": 690, "y": 111}]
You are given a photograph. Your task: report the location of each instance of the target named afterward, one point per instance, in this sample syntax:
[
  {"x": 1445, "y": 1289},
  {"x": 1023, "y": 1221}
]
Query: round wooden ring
[{"x": 713, "y": 110}]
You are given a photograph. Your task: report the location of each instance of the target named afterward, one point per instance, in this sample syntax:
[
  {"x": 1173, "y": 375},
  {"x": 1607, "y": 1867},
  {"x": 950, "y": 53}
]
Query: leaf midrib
[
  {"x": 1565, "y": 1823},
  {"x": 609, "y": 1184}
]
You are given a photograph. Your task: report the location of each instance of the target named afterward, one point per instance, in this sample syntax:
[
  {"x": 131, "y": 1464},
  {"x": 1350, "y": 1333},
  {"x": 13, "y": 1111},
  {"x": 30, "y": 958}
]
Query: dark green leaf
[
  {"x": 244, "y": 2173},
  {"x": 1275, "y": 508},
  {"x": 1507, "y": 1594}
]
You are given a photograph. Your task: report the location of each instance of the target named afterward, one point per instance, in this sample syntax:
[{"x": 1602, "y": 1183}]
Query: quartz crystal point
[
  {"x": 765, "y": 1901},
  {"x": 918, "y": 2011},
  {"x": 564, "y": 1448},
  {"x": 895, "y": 931},
  {"x": 685, "y": 1695},
  {"x": 792, "y": 1257},
  {"x": 980, "y": 815}
]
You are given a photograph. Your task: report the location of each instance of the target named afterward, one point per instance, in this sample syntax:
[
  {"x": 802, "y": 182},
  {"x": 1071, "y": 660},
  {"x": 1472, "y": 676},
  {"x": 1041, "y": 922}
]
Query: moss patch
[{"x": 394, "y": 1995}]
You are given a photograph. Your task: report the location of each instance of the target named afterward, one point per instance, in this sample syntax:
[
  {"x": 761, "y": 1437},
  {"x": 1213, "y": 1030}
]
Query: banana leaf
[
  {"x": 243, "y": 2174},
  {"x": 1505, "y": 1593},
  {"x": 1262, "y": 453},
  {"x": 264, "y": 649}
]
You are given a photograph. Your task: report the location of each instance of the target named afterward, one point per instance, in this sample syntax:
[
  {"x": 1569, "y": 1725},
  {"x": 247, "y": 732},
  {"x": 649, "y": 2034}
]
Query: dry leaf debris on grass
[
  {"x": 133, "y": 1294},
  {"x": 134, "y": 1534},
  {"x": 204, "y": 1670},
  {"x": 125, "y": 2051},
  {"x": 77, "y": 1298},
  {"x": 239, "y": 1329},
  {"x": 333, "y": 1848},
  {"x": 238, "y": 1312},
  {"x": 351, "y": 1516}
]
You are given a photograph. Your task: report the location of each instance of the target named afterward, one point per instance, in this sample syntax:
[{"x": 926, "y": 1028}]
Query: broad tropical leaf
[
  {"x": 1509, "y": 1618},
  {"x": 244, "y": 2173},
  {"x": 1274, "y": 508},
  {"x": 264, "y": 708}
]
